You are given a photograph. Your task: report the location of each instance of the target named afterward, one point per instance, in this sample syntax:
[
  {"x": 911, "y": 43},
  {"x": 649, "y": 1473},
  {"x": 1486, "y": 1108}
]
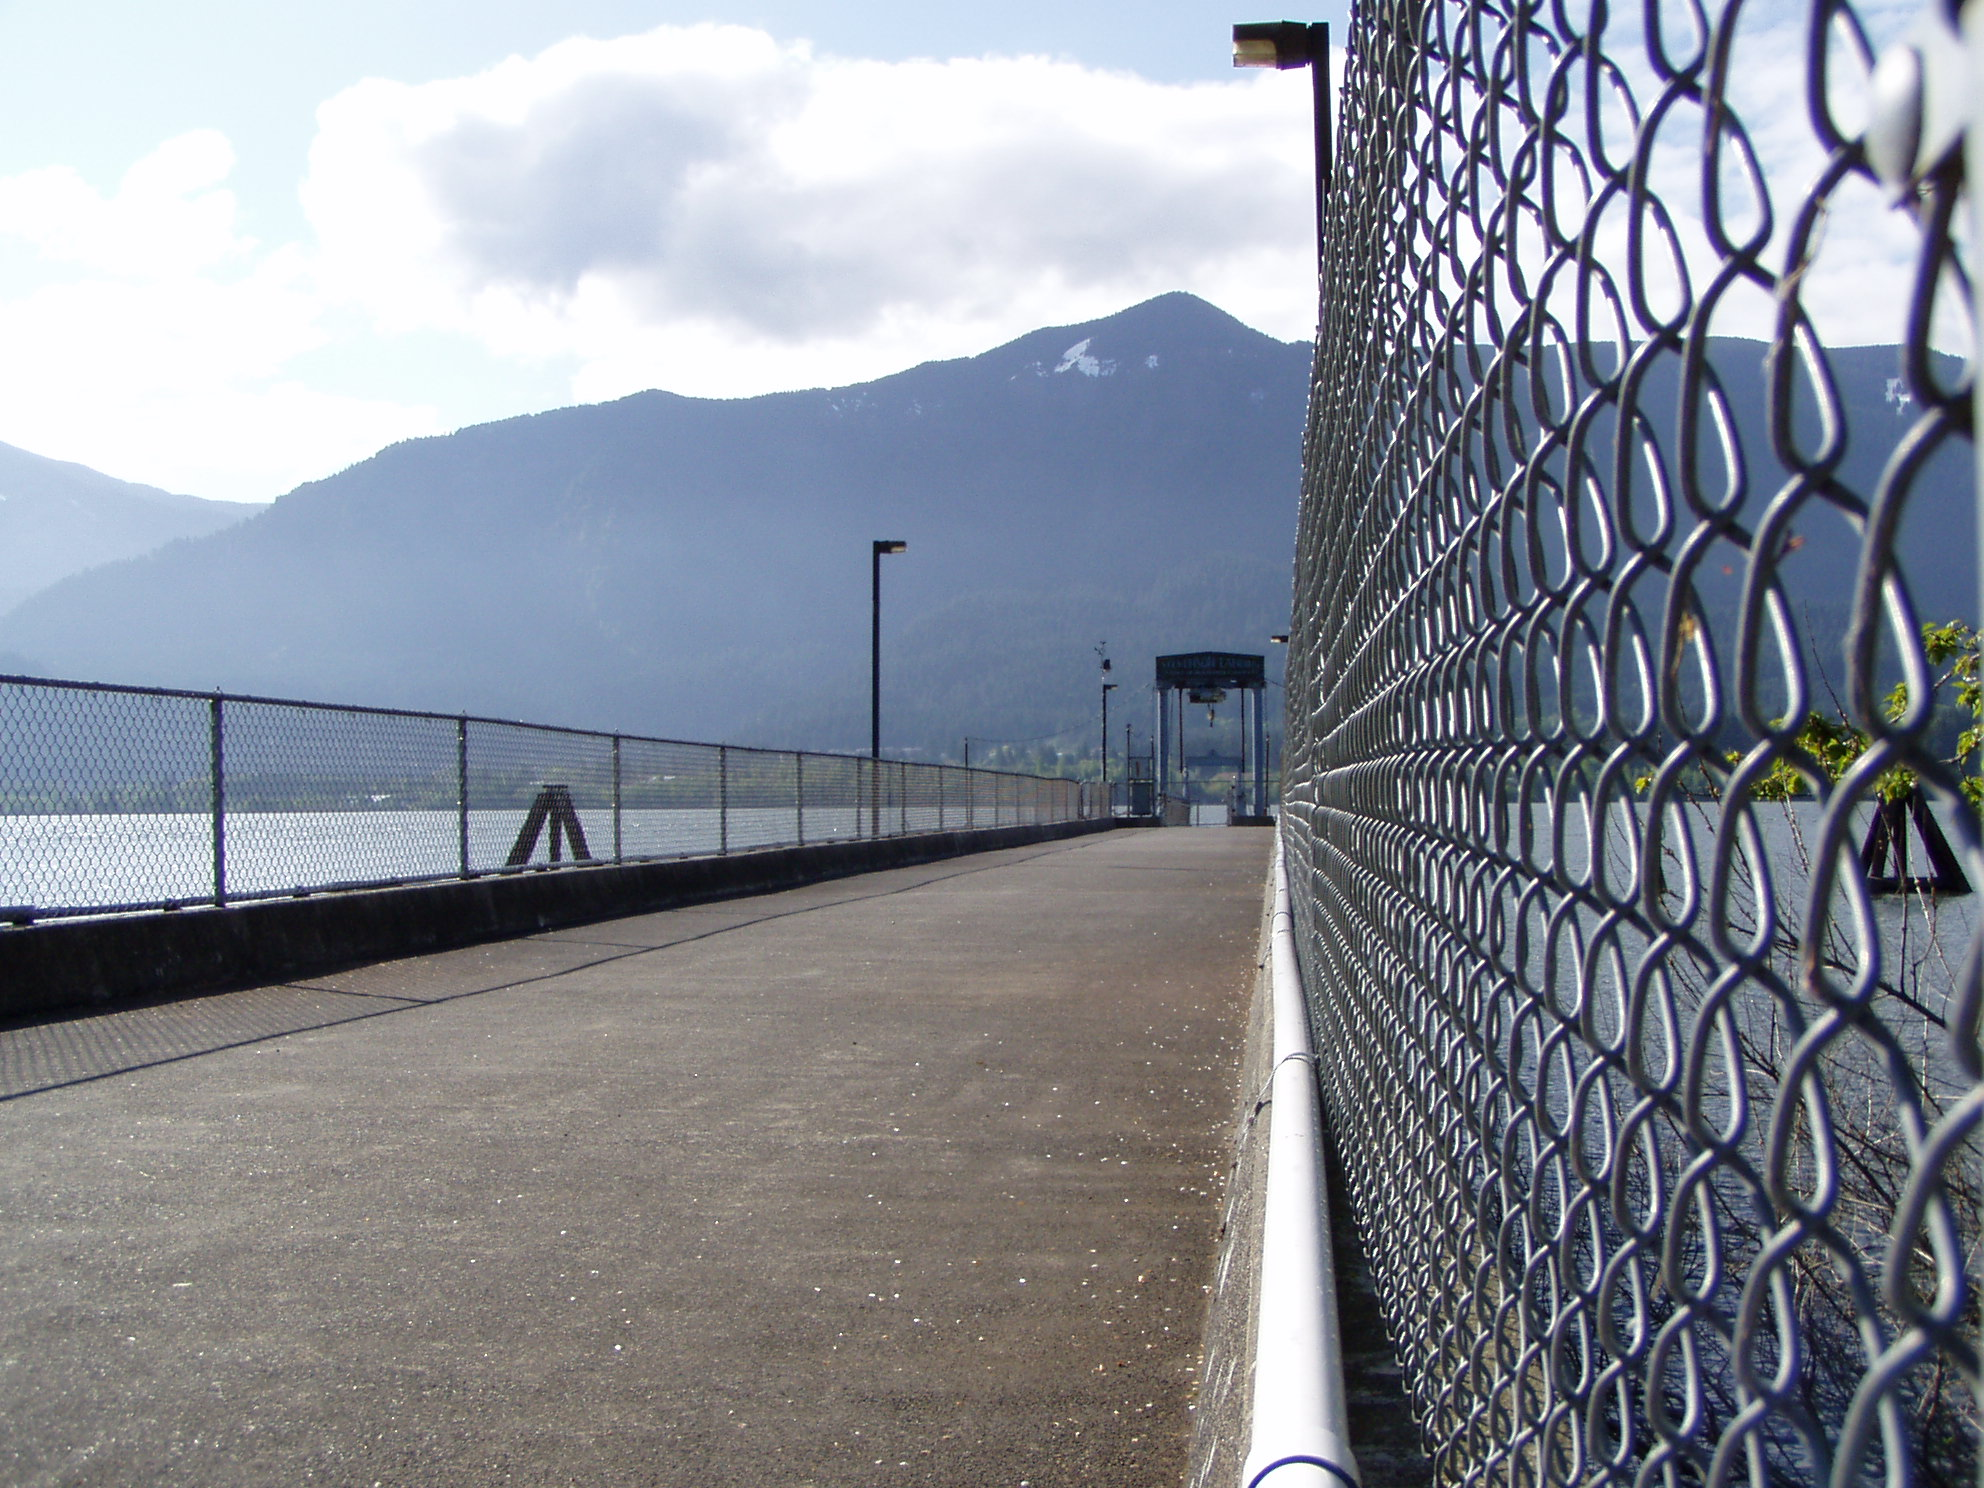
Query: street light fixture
[
  {"x": 882, "y": 545},
  {"x": 1285, "y": 44}
]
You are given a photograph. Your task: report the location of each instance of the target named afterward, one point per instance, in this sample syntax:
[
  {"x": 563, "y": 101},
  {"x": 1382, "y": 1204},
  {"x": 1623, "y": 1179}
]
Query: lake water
[
  {"x": 1918, "y": 942},
  {"x": 97, "y": 862}
]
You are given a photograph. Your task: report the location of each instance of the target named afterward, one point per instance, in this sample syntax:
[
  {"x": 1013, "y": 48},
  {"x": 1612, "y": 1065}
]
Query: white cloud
[
  {"x": 714, "y": 211},
  {"x": 170, "y": 216},
  {"x": 700, "y": 208},
  {"x": 709, "y": 210},
  {"x": 1854, "y": 277},
  {"x": 163, "y": 354}
]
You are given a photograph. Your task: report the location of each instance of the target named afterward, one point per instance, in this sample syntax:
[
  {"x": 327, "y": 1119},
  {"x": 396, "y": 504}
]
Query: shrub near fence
[
  {"x": 117, "y": 799},
  {"x": 1658, "y": 1118}
]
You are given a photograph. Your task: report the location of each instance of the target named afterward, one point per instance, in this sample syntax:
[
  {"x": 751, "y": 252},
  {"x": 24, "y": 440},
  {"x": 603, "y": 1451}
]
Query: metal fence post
[
  {"x": 616, "y": 799},
  {"x": 461, "y": 788},
  {"x": 799, "y": 792},
  {"x": 723, "y": 799},
  {"x": 943, "y": 773},
  {"x": 216, "y": 738},
  {"x": 902, "y": 792}
]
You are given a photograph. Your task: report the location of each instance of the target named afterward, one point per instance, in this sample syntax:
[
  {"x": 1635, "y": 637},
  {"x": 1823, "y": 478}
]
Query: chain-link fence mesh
[
  {"x": 1632, "y": 695},
  {"x": 119, "y": 799}
]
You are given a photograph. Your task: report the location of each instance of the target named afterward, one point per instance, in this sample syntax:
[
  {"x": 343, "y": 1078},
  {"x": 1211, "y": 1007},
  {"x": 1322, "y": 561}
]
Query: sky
[{"x": 244, "y": 243}]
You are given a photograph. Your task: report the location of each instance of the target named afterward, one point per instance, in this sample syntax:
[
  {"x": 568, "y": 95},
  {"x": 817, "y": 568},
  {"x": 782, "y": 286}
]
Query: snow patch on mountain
[{"x": 1077, "y": 359}]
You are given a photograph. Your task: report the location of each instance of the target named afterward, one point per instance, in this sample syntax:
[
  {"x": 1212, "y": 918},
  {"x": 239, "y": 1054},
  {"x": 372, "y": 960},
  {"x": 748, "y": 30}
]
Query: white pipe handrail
[{"x": 1301, "y": 1434}]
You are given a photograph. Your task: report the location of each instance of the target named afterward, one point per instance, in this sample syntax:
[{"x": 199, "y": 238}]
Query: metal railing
[
  {"x": 1622, "y": 609},
  {"x": 118, "y": 799}
]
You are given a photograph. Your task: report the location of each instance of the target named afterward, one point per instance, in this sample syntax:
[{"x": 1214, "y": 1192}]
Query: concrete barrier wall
[{"x": 64, "y": 964}]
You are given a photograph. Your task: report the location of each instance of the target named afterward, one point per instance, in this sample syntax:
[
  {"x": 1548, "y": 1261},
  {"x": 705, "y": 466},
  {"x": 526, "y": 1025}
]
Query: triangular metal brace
[
  {"x": 1887, "y": 842},
  {"x": 554, "y": 806}
]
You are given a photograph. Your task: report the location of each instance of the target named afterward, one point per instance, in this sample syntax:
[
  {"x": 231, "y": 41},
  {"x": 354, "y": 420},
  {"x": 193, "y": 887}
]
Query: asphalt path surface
[{"x": 908, "y": 1178}]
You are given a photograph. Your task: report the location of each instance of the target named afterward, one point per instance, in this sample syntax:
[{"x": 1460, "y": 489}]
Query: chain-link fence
[
  {"x": 1634, "y": 700},
  {"x": 116, "y": 799}
]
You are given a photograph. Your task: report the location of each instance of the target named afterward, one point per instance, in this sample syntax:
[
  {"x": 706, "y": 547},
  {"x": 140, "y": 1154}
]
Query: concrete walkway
[{"x": 909, "y": 1178}]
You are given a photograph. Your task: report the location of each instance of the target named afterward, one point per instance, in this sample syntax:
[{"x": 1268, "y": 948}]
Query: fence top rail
[{"x": 128, "y": 689}]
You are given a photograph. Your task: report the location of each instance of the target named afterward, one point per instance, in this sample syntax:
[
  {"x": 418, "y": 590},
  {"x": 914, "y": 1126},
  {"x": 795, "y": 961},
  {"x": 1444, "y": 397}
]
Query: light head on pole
[
  {"x": 884, "y": 546},
  {"x": 1282, "y": 44}
]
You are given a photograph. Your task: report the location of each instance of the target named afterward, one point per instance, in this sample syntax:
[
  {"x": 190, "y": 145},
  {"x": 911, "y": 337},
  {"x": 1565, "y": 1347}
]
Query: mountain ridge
[
  {"x": 698, "y": 566},
  {"x": 58, "y": 518}
]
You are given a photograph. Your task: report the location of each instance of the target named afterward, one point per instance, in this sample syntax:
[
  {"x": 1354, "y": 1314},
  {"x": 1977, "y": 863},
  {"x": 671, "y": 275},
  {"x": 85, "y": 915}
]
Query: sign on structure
[{"x": 1211, "y": 669}]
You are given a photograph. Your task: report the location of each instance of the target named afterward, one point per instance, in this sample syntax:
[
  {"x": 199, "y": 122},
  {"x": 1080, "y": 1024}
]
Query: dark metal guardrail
[
  {"x": 1621, "y": 624},
  {"x": 121, "y": 799}
]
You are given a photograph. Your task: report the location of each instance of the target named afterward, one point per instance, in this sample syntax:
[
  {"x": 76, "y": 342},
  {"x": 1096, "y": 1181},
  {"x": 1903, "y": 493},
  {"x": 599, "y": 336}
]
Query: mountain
[
  {"x": 57, "y": 519},
  {"x": 700, "y": 568}
]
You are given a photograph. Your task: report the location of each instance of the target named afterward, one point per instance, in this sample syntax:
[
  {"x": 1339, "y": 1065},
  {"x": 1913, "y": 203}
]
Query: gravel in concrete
[{"x": 910, "y": 1178}]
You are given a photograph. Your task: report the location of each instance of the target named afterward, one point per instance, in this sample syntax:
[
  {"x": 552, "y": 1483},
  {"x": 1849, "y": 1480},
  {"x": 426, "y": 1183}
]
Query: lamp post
[
  {"x": 1285, "y": 44},
  {"x": 882, "y": 546},
  {"x": 1107, "y": 688},
  {"x": 1101, "y": 652}
]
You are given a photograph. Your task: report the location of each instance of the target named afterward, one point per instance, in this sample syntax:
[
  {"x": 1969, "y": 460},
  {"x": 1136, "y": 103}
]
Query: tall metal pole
[
  {"x": 879, "y": 547},
  {"x": 1106, "y": 689},
  {"x": 875, "y": 658},
  {"x": 1184, "y": 759},
  {"x": 1286, "y": 44},
  {"x": 1260, "y": 753},
  {"x": 1319, "y": 74}
]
